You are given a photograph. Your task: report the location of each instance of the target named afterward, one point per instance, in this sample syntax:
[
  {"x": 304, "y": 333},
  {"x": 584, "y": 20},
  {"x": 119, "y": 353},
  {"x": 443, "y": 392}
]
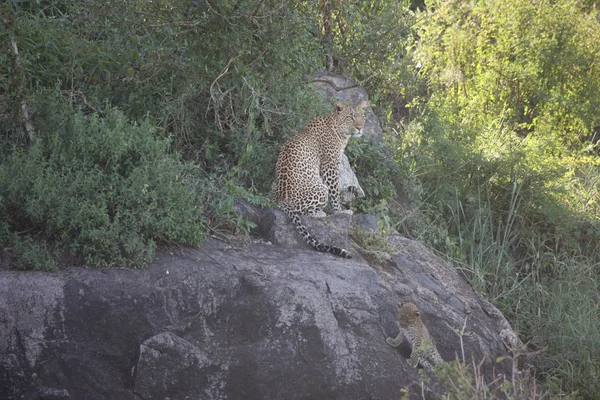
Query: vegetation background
[{"x": 125, "y": 125}]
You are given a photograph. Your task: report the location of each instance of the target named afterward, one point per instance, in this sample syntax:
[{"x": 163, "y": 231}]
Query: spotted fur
[
  {"x": 415, "y": 332},
  {"x": 307, "y": 170}
]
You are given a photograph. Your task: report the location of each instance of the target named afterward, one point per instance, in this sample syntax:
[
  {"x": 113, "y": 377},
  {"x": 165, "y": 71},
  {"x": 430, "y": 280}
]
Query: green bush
[
  {"x": 507, "y": 179},
  {"x": 97, "y": 187},
  {"x": 226, "y": 81},
  {"x": 515, "y": 88},
  {"x": 379, "y": 176}
]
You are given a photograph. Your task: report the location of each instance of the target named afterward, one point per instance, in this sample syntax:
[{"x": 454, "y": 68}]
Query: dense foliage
[
  {"x": 224, "y": 103},
  {"x": 508, "y": 156},
  {"x": 103, "y": 189},
  {"x": 129, "y": 124}
]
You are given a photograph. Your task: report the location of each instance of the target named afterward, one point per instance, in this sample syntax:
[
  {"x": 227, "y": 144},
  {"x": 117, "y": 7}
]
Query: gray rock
[
  {"x": 336, "y": 88},
  {"x": 366, "y": 223},
  {"x": 172, "y": 367},
  {"x": 47, "y": 393},
  {"x": 237, "y": 321},
  {"x": 349, "y": 186},
  {"x": 332, "y": 230},
  {"x": 249, "y": 212}
]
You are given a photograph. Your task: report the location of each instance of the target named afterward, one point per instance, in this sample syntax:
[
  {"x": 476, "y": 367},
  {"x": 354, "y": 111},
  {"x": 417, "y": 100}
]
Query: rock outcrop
[
  {"x": 335, "y": 88},
  {"x": 240, "y": 320}
]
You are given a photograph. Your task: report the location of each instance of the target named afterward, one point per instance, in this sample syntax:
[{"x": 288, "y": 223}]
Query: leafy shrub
[
  {"x": 380, "y": 178},
  {"x": 518, "y": 92},
  {"x": 100, "y": 188},
  {"x": 508, "y": 180},
  {"x": 226, "y": 81}
]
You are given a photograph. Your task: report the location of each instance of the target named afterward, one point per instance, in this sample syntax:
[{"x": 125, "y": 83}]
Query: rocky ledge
[{"x": 242, "y": 320}]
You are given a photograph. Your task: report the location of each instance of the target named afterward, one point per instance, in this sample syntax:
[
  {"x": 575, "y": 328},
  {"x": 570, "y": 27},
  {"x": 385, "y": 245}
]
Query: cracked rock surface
[{"x": 248, "y": 320}]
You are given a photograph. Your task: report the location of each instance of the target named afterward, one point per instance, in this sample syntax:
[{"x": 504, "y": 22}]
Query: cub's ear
[
  {"x": 363, "y": 104},
  {"x": 339, "y": 106}
]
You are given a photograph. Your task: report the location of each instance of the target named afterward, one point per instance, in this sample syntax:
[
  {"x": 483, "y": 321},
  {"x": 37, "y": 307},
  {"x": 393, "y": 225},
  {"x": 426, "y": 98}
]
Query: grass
[
  {"x": 460, "y": 380},
  {"x": 551, "y": 298}
]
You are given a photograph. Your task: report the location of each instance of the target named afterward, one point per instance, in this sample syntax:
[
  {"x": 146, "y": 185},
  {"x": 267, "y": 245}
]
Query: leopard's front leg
[{"x": 331, "y": 178}]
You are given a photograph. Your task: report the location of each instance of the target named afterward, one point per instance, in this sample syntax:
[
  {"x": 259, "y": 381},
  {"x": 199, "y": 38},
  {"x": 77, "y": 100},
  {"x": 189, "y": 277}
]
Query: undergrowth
[{"x": 98, "y": 188}]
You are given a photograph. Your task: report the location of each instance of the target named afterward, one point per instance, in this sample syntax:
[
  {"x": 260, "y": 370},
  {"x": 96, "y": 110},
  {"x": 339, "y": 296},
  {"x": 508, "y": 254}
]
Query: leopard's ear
[
  {"x": 339, "y": 106},
  {"x": 363, "y": 104}
]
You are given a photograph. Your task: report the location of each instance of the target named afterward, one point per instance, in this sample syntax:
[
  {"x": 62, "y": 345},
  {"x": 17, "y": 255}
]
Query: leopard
[
  {"x": 307, "y": 171},
  {"x": 413, "y": 330}
]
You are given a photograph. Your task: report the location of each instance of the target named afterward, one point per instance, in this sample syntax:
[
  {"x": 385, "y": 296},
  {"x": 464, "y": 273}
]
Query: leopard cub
[{"x": 415, "y": 332}]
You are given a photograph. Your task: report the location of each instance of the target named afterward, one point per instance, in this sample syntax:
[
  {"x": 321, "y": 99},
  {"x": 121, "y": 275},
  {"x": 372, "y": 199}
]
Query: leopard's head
[
  {"x": 351, "y": 119},
  {"x": 408, "y": 313}
]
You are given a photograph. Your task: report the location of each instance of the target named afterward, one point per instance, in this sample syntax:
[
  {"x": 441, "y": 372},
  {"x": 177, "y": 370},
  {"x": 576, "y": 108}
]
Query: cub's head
[
  {"x": 408, "y": 313},
  {"x": 351, "y": 119}
]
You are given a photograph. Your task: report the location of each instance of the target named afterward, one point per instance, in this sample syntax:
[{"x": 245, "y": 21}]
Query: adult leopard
[{"x": 307, "y": 171}]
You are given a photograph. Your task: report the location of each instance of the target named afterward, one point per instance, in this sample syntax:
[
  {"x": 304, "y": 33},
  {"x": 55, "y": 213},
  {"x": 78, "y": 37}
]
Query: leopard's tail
[{"x": 311, "y": 240}]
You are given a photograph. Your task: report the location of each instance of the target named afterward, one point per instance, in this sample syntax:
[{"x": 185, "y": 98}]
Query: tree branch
[{"x": 25, "y": 114}]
